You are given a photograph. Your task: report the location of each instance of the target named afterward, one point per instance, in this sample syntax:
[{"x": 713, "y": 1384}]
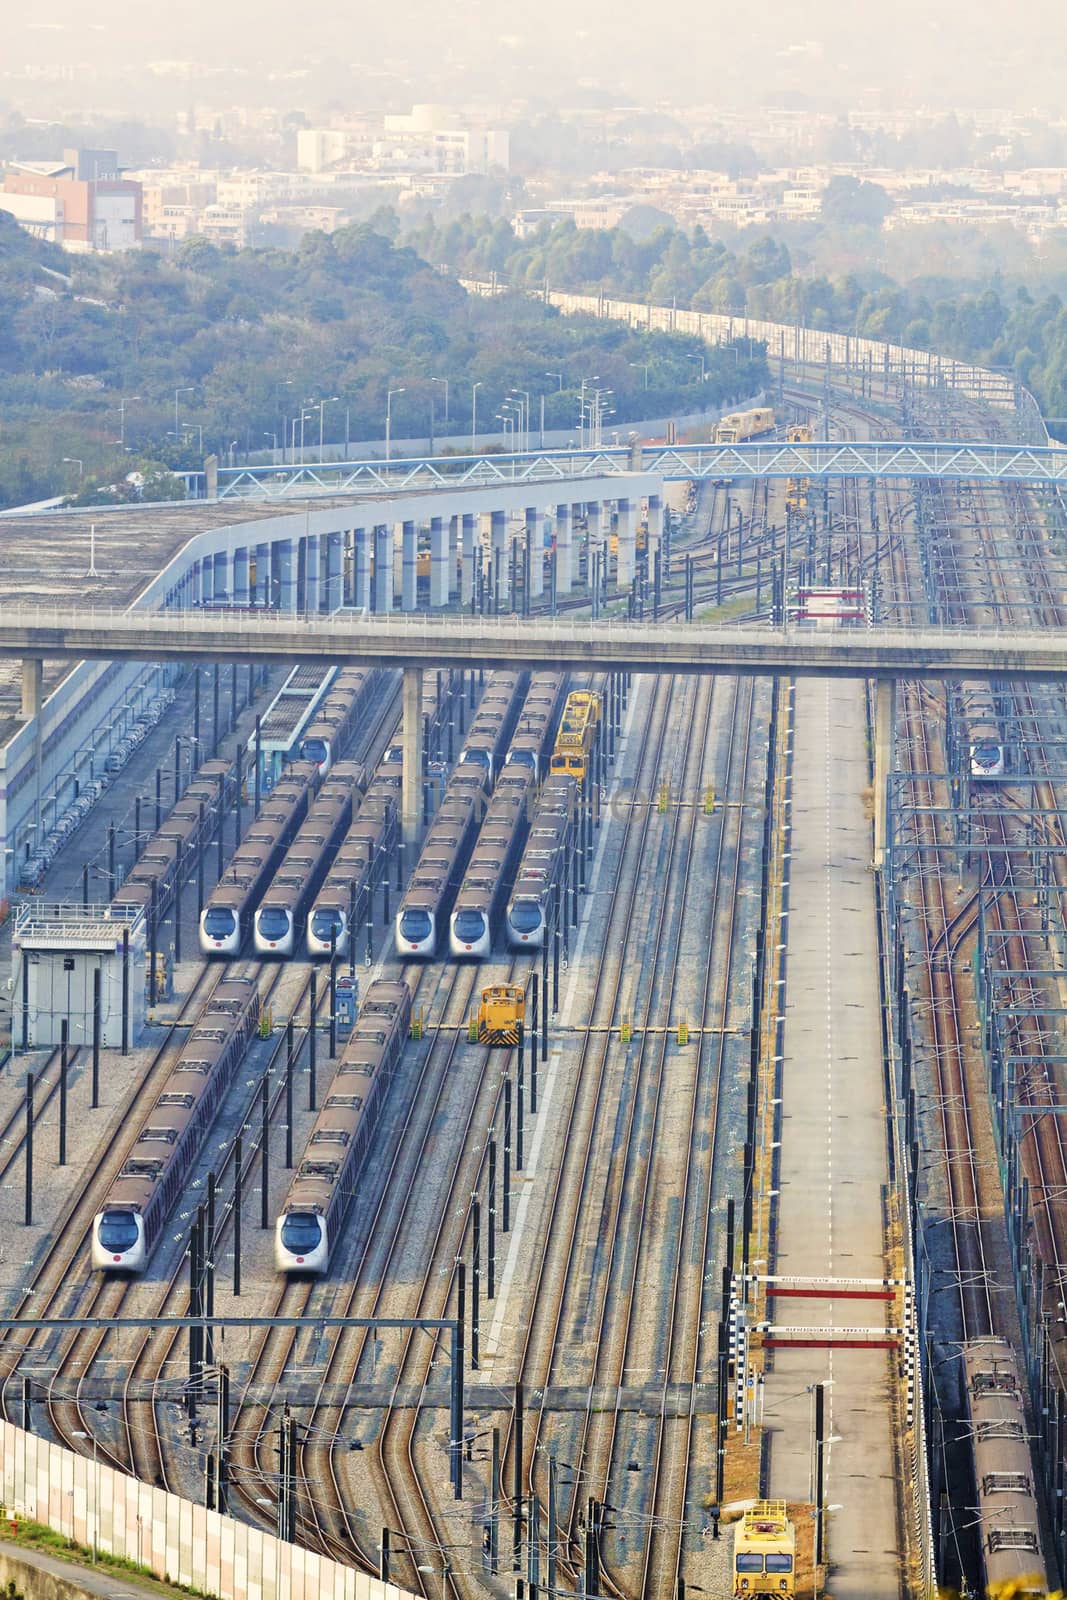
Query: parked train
[
  {"x": 985, "y": 748},
  {"x": 543, "y": 864},
  {"x": 227, "y": 916},
  {"x": 480, "y": 900},
  {"x": 577, "y": 734},
  {"x": 532, "y": 741},
  {"x": 321, "y": 1191},
  {"x": 489, "y": 735},
  {"x": 153, "y": 1174},
  {"x": 1007, "y": 1502},
  {"x": 742, "y": 425},
  {"x": 351, "y": 876},
  {"x": 327, "y": 735},
  {"x": 280, "y": 915},
  {"x": 422, "y": 917},
  {"x": 765, "y": 1551},
  {"x": 184, "y": 830}
]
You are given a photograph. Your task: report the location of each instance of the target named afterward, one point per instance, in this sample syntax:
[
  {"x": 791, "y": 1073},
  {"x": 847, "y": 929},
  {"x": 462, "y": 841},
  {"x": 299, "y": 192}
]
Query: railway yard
[{"x": 755, "y": 1196}]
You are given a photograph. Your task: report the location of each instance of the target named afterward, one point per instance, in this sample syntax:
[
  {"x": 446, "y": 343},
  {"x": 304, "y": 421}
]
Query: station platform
[{"x": 833, "y": 1165}]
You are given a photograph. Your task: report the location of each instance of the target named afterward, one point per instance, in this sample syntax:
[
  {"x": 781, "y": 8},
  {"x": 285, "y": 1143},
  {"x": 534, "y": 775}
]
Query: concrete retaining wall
[{"x": 175, "y": 1539}]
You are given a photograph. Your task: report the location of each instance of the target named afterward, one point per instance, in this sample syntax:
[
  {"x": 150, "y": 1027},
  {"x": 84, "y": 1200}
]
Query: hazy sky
[{"x": 946, "y": 52}]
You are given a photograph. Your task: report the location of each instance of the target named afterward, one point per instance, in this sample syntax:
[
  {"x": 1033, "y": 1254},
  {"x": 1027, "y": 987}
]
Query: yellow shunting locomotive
[
  {"x": 765, "y": 1551},
  {"x": 577, "y": 733}
]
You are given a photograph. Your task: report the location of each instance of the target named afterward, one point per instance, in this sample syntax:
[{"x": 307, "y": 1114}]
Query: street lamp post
[
  {"x": 445, "y": 382},
  {"x": 644, "y": 366},
  {"x": 74, "y": 461},
  {"x": 474, "y": 414},
  {"x": 199, "y": 426},
  {"x": 557, "y": 375},
  {"x": 389, "y": 419},
  {"x": 186, "y": 388},
  {"x": 329, "y": 401},
  {"x": 123, "y": 403},
  {"x": 703, "y": 365}
]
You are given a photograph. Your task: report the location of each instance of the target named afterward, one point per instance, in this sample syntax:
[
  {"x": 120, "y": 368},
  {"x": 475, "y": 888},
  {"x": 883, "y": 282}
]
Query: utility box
[
  {"x": 347, "y": 1001},
  {"x": 56, "y": 951}
]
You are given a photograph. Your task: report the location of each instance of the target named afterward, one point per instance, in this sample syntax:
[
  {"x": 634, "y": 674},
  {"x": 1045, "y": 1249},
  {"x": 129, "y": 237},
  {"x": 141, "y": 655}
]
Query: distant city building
[
  {"x": 81, "y": 202},
  {"x": 427, "y": 139}
]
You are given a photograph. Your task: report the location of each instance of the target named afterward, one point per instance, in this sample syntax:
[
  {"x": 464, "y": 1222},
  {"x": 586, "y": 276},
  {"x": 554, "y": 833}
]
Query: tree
[{"x": 851, "y": 202}]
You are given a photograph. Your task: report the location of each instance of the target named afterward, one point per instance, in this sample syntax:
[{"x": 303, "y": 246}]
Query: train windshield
[
  {"x": 525, "y": 916},
  {"x": 325, "y": 923},
  {"x": 521, "y": 758},
  {"x": 219, "y": 922},
  {"x": 301, "y": 1232},
  {"x": 986, "y": 752},
  {"x": 314, "y": 750},
  {"x": 468, "y": 926},
  {"x": 273, "y": 922},
  {"x": 117, "y": 1231},
  {"x": 779, "y": 1562},
  {"x": 415, "y": 925},
  {"x": 746, "y": 1561},
  {"x": 479, "y": 758}
]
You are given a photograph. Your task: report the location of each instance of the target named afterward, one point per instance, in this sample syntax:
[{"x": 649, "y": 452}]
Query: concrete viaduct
[{"x": 415, "y": 643}]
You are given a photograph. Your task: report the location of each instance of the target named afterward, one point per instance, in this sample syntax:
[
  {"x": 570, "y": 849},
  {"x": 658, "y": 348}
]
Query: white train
[
  {"x": 985, "y": 746},
  {"x": 491, "y": 867},
  {"x": 1008, "y": 1514},
  {"x": 321, "y": 1191},
  {"x": 544, "y": 862},
  {"x": 143, "y": 1195},
  {"x": 327, "y": 734},
  {"x": 282, "y": 909},
  {"x": 227, "y": 917}
]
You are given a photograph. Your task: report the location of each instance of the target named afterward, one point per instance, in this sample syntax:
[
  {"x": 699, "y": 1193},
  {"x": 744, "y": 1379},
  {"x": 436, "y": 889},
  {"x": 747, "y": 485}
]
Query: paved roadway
[{"x": 832, "y": 1159}]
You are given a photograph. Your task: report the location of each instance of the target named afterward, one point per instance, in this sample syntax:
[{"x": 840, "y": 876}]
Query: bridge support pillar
[
  {"x": 885, "y": 717},
  {"x": 439, "y": 541},
  {"x": 220, "y": 562},
  {"x": 263, "y": 590},
  {"x": 240, "y": 576},
  {"x": 409, "y": 566},
  {"x": 383, "y": 569},
  {"x": 334, "y": 571},
  {"x": 593, "y": 541},
  {"x": 361, "y": 568},
  {"x": 285, "y": 571},
  {"x": 624, "y": 572},
  {"x": 655, "y": 527},
  {"x": 499, "y": 546},
  {"x": 312, "y": 576},
  {"x": 468, "y": 525},
  {"x": 536, "y": 540},
  {"x": 411, "y": 736},
  {"x": 564, "y": 549},
  {"x": 32, "y": 688},
  {"x": 207, "y": 580},
  {"x": 453, "y": 558}
]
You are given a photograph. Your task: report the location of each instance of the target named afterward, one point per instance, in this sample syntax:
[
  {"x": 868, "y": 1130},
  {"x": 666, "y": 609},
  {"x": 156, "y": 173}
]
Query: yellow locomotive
[
  {"x": 577, "y": 734},
  {"x": 764, "y": 1551},
  {"x": 741, "y": 425},
  {"x": 796, "y": 489}
]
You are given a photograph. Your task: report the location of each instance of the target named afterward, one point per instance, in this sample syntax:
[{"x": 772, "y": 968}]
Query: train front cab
[
  {"x": 322, "y": 924},
  {"x": 526, "y": 923},
  {"x": 220, "y": 931},
  {"x": 416, "y": 932},
  {"x": 273, "y": 931},
  {"x": 470, "y": 936},
  {"x": 764, "y": 1551},
  {"x": 118, "y": 1241},
  {"x": 301, "y": 1242},
  {"x": 318, "y": 751}
]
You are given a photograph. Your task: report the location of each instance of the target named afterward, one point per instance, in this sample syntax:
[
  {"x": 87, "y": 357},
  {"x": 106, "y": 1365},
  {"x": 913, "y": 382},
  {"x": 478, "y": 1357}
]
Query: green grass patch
[{"x": 19, "y": 1533}]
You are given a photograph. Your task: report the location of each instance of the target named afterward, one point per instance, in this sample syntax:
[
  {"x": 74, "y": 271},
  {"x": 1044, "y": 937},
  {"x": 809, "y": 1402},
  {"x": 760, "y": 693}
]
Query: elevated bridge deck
[{"x": 32, "y": 632}]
